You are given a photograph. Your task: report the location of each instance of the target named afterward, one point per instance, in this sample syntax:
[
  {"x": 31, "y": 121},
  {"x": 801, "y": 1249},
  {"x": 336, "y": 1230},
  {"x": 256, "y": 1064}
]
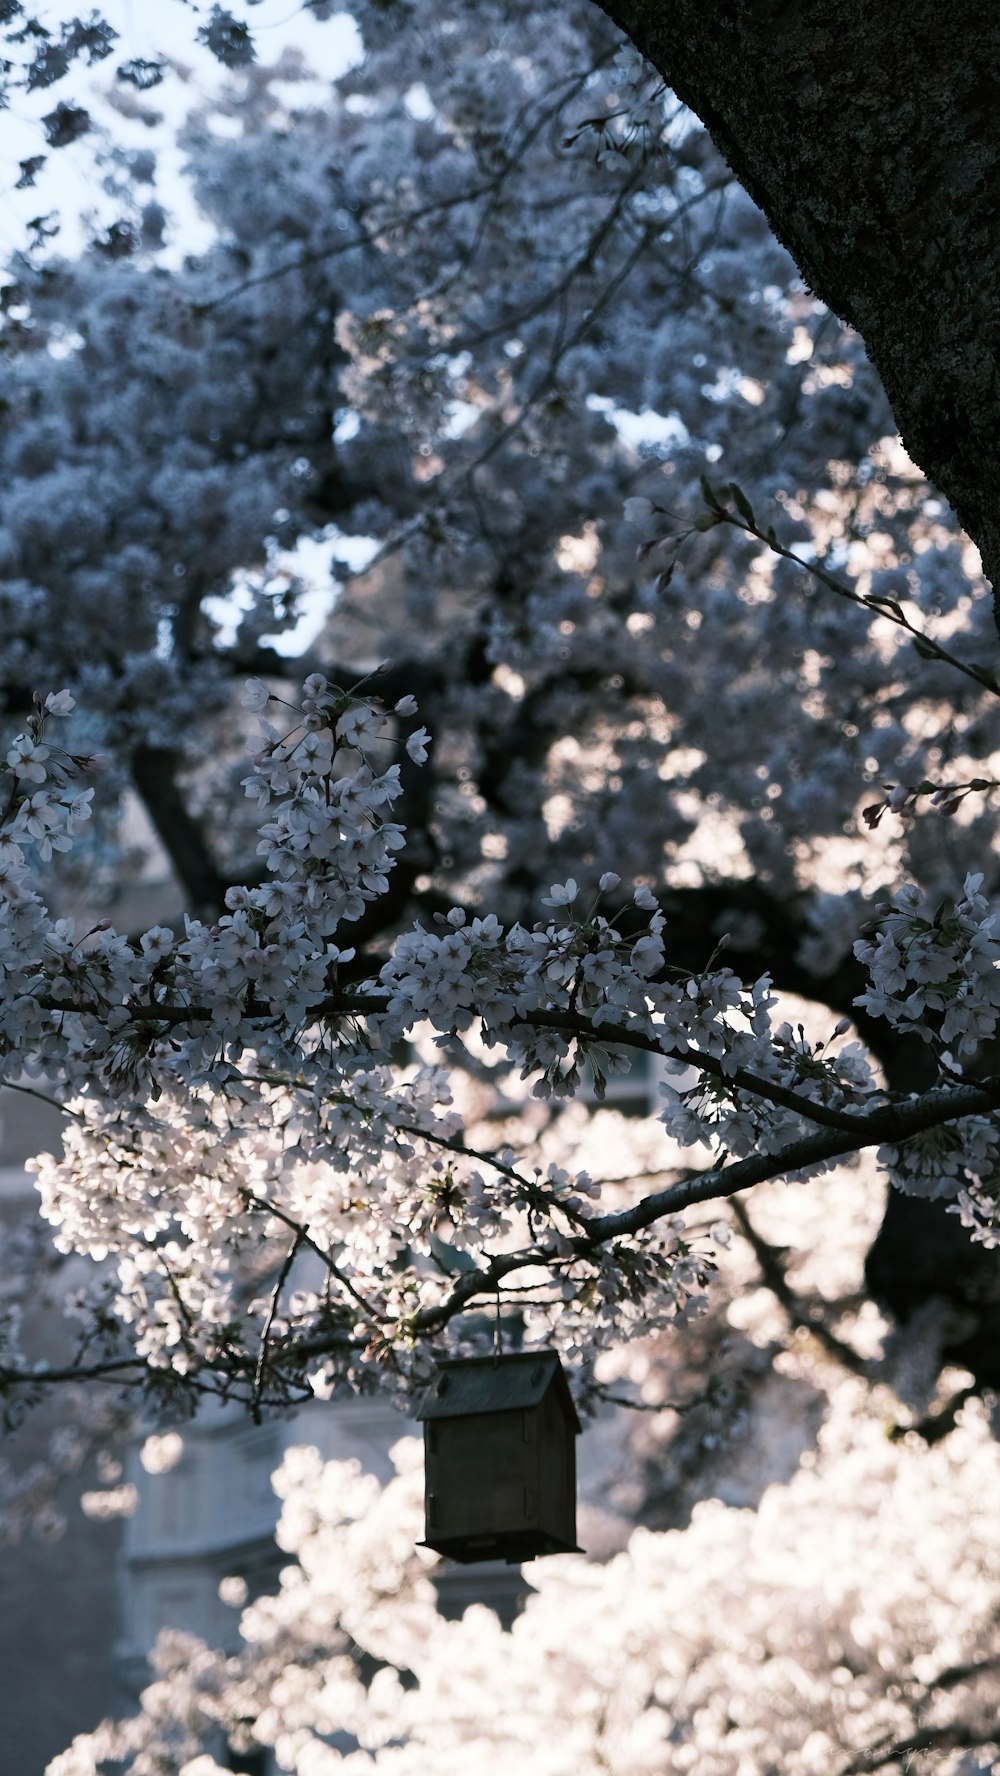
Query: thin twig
[
  {"x": 876, "y": 605},
  {"x": 305, "y": 1239},
  {"x": 604, "y": 1394},
  {"x": 772, "y": 1271},
  {"x": 30, "y": 1091},
  {"x": 280, "y": 1281}
]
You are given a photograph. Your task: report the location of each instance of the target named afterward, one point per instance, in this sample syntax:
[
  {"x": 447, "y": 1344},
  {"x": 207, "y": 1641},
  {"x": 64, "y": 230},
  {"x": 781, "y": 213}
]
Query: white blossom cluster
[
  {"x": 958, "y": 1163},
  {"x": 225, "y": 1112},
  {"x": 937, "y": 974},
  {"x": 264, "y": 1187},
  {"x": 851, "y": 1612},
  {"x": 741, "y": 1122}
]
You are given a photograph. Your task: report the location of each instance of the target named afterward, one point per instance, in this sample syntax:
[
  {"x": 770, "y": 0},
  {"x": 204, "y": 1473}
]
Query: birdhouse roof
[{"x": 465, "y": 1386}]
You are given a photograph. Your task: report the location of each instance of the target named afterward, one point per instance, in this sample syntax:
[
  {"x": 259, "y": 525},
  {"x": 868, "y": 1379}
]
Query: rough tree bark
[{"x": 870, "y": 137}]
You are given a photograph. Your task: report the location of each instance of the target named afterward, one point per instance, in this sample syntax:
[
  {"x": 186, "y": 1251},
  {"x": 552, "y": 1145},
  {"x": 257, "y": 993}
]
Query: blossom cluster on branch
[{"x": 267, "y": 1175}]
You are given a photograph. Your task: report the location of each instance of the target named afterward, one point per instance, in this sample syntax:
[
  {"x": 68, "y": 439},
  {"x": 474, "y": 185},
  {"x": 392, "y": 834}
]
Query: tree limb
[{"x": 869, "y": 137}]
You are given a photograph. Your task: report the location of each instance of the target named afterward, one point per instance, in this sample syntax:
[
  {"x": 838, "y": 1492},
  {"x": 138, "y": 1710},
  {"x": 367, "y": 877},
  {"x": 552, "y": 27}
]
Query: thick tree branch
[
  {"x": 889, "y": 1125},
  {"x": 154, "y": 773},
  {"x": 894, "y": 1123}
]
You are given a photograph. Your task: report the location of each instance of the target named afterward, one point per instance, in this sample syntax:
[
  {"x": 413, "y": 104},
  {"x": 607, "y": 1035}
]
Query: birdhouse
[{"x": 500, "y": 1458}]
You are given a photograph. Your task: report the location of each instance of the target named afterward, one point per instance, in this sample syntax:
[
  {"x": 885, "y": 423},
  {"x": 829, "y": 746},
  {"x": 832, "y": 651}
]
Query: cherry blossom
[
  {"x": 828, "y": 1630},
  {"x": 214, "y": 1079}
]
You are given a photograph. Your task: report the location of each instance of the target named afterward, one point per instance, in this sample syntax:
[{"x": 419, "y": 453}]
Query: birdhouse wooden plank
[{"x": 500, "y": 1458}]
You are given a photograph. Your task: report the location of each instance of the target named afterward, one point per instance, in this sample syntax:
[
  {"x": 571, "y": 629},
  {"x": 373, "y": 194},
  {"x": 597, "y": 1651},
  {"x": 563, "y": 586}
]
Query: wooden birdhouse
[{"x": 500, "y": 1458}]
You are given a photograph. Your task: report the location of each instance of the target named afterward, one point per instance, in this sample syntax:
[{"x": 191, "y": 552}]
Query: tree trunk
[{"x": 870, "y": 137}]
